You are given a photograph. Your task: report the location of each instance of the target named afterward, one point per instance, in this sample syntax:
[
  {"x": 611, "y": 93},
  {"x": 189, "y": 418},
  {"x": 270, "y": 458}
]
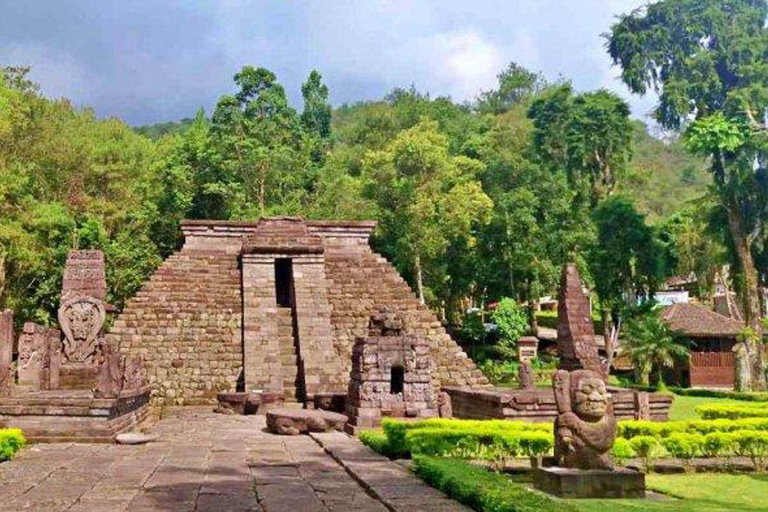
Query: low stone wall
[
  {"x": 540, "y": 406},
  {"x": 73, "y": 416}
]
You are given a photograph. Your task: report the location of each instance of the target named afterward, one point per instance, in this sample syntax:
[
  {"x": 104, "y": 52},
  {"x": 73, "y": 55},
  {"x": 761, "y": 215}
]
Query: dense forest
[
  {"x": 475, "y": 201},
  {"x": 468, "y": 203}
]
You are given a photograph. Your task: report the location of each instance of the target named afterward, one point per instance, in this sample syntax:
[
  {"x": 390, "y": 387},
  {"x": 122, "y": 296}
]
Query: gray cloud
[{"x": 148, "y": 61}]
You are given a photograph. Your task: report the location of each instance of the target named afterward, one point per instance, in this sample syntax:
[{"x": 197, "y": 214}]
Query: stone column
[
  {"x": 323, "y": 368},
  {"x": 261, "y": 352},
  {"x": 33, "y": 351},
  {"x": 6, "y": 351}
]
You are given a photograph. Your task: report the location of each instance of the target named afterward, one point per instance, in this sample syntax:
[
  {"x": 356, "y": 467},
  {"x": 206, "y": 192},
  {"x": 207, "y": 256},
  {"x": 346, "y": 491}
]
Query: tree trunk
[
  {"x": 533, "y": 303},
  {"x": 263, "y": 188},
  {"x": 750, "y": 300},
  {"x": 419, "y": 278}
]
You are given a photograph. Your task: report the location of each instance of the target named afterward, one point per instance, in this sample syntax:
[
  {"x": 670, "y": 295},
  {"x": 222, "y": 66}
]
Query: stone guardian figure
[{"x": 585, "y": 428}]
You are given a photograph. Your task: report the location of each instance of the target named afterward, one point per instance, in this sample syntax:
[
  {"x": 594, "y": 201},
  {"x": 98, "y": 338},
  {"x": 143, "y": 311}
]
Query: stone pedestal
[{"x": 592, "y": 483}]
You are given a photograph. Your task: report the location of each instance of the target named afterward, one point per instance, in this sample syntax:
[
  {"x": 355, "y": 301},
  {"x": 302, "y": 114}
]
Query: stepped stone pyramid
[{"x": 275, "y": 306}]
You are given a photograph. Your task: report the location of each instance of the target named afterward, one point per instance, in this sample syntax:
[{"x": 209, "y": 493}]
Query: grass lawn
[
  {"x": 683, "y": 407},
  {"x": 708, "y": 492}
]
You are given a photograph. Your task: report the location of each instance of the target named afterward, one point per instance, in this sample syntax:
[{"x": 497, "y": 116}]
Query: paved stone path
[{"x": 205, "y": 462}]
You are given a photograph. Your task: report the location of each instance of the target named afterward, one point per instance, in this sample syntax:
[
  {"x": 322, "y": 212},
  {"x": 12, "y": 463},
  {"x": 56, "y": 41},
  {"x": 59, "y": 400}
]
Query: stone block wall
[
  {"x": 185, "y": 323},
  {"x": 359, "y": 281},
  {"x": 261, "y": 347},
  {"x": 324, "y": 371}
]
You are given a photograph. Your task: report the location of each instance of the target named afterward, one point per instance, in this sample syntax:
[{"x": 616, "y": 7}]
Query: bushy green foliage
[
  {"x": 376, "y": 440},
  {"x": 646, "y": 448},
  {"x": 483, "y": 490},
  {"x": 717, "y": 444},
  {"x": 487, "y": 439},
  {"x": 717, "y": 393},
  {"x": 718, "y": 411},
  {"x": 684, "y": 447},
  {"x": 660, "y": 429},
  {"x": 11, "y": 441},
  {"x": 752, "y": 444},
  {"x": 512, "y": 321},
  {"x": 622, "y": 450}
]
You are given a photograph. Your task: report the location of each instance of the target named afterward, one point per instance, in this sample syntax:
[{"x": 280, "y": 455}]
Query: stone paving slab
[
  {"x": 392, "y": 484},
  {"x": 205, "y": 462}
]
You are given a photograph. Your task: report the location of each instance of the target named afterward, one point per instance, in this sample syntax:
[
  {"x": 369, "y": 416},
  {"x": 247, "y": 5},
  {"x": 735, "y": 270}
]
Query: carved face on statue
[
  {"x": 81, "y": 319},
  {"x": 590, "y": 397}
]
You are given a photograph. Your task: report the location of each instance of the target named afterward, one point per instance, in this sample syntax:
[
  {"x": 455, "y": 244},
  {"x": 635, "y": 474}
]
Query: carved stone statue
[
  {"x": 444, "y": 406},
  {"x": 110, "y": 379},
  {"x": 134, "y": 372},
  {"x": 525, "y": 376},
  {"x": 81, "y": 319},
  {"x": 386, "y": 321},
  {"x": 585, "y": 428}
]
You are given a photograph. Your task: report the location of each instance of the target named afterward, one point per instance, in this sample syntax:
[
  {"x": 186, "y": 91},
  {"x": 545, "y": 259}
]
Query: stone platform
[
  {"x": 593, "y": 483},
  {"x": 73, "y": 415},
  {"x": 539, "y": 405},
  {"x": 291, "y": 422}
]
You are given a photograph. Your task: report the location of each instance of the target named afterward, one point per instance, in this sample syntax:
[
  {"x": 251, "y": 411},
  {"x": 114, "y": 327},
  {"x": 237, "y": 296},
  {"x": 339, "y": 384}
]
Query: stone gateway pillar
[{"x": 6, "y": 351}]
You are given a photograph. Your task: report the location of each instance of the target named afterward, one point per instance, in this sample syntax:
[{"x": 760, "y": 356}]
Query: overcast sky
[{"x": 159, "y": 60}]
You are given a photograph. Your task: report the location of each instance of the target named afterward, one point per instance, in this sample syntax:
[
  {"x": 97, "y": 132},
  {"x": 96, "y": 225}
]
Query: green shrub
[
  {"x": 714, "y": 393},
  {"x": 512, "y": 321},
  {"x": 647, "y": 449},
  {"x": 622, "y": 450},
  {"x": 732, "y": 411},
  {"x": 11, "y": 441},
  {"x": 483, "y": 490},
  {"x": 684, "y": 447},
  {"x": 377, "y": 440},
  {"x": 661, "y": 429},
  {"x": 718, "y": 444},
  {"x": 493, "y": 445},
  {"x": 752, "y": 444},
  {"x": 397, "y": 430}
]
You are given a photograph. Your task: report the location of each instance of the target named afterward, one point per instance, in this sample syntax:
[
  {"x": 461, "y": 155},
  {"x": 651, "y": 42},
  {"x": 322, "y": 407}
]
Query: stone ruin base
[
  {"x": 539, "y": 405},
  {"x": 73, "y": 415},
  {"x": 247, "y": 403},
  {"x": 592, "y": 483},
  {"x": 292, "y": 422}
]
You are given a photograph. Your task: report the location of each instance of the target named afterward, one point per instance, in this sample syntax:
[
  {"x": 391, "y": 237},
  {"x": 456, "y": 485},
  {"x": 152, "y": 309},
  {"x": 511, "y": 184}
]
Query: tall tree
[
  {"x": 589, "y": 136},
  {"x": 316, "y": 116},
  {"x": 515, "y": 84},
  {"x": 427, "y": 198},
  {"x": 626, "y": 262},
  {"x": 706, "y": 59},
  {"x": 256, "y": 131}
]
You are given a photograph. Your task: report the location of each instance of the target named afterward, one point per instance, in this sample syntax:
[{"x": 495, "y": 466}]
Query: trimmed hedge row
[
  {"x": 634, "y": 428},
  {"x": 11, "y": 441},
  {"x": 495, "y": 446},
  {"x": 397, "y": 431},
  {"x": 730, "y": 411},
  {"x": 684, "y": 446},
  {"x": 483, "y": 490}
]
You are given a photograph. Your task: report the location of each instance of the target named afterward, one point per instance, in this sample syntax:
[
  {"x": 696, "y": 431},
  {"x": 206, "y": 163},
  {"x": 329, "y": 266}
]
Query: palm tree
[{"x": 652, "y": 345}]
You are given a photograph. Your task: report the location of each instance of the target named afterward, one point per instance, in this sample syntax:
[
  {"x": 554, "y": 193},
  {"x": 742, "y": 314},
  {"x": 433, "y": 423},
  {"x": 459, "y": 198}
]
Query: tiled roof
[{"x": 699, "y": 322}]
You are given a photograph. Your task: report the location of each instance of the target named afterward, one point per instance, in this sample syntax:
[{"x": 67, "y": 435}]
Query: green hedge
[
  {"x": 661, "y": 429},
  {"x": 397, "y": 430},
  {"x": 376, "y": 440},
  {"x": 732, "y": 411},
  {"x": 483, "y": 490},
  {"x": 494, "y": 445},
  {"x": 11, "y": 441}
]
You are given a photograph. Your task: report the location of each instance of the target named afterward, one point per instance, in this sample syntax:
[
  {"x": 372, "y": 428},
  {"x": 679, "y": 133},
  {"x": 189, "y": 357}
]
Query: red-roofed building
[{"x": 713, "y": 336}]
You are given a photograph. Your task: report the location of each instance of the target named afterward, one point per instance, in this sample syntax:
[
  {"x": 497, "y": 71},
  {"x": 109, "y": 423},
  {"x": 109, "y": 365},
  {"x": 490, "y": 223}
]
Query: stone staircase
[
  {"x": 183, "y": 319},
  {"x": 288, "y": 357}
]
